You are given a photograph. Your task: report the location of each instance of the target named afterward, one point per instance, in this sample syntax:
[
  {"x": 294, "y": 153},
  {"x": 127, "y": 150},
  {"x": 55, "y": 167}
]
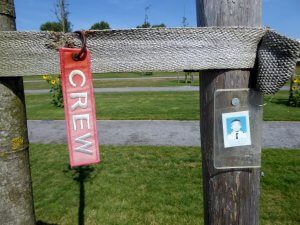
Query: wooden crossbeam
[{"x": 177, "y": 49}]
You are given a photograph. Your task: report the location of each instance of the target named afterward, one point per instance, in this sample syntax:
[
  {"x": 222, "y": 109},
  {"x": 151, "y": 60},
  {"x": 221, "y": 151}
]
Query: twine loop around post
[{"x": 83, "y": 52}]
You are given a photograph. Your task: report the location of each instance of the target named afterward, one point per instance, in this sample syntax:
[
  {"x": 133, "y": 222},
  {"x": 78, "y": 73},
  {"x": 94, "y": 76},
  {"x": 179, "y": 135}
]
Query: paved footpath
[{"x": 159, "y": 133}]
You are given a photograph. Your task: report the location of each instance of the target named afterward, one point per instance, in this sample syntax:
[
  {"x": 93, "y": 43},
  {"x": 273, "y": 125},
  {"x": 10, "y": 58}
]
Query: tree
[
  {"x": 16, "y": 204},
  {"x": 63, "y": 24},
  {"x": 144, "y": 25},
  {"x": 102, "y": 25},
  {"x": 62, "y": 14},
  {"x": 158, "y": 25},
  {"x": 51, "y": 26},
  {"x": 148, "y": 25}
]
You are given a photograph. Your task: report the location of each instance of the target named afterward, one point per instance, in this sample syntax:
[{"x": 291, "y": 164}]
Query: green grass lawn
[
  {"x": 128, "y": 83},
  {"x": 121, "y": 83},
  {"x": 122, "y": 75},
  {"x": 149, "y": 185},
  {"x": 276, "y": 108},
  {"x": 153, "y": 106},
  {"x": 122, "y": 106},
  {"x": 135, "y": 75},
  {"x": 297, "y": 70}
]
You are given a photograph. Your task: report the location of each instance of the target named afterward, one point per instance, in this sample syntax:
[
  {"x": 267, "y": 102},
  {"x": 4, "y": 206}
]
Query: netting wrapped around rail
[
  {"x": 277, "y": 57},
  {"x": 175, "y": 49}
]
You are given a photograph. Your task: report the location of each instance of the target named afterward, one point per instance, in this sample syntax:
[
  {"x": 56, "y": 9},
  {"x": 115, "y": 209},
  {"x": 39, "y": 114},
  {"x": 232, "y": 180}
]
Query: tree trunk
[
  {"x": 231, "y": 197},
  {"x": 7, "y": 15},
  {"x": 16, "y": 202},
  {"x": 62, "y": 15}
]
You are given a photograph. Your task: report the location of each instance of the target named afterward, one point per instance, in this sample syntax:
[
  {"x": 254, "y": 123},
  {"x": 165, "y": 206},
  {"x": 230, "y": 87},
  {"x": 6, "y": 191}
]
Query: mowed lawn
[
  {"x": 157, "y": 79},
  {"x": 153, "y": 106},
  {"x": 122, "y": 75},
  {"x": 149, "y": 185},
  {"x": 153, "y": 82}
]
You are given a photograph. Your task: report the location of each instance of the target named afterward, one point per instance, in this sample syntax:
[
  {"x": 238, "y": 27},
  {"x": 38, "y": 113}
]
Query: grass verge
[
  {"x": 276, "y": 108},
  {"x": 153, "y": 106},
  {"x": 166, "y": 82},
  {"x": 127, "y": 83},
  {"x": 122, "y": 106},
  {"x": 149, "y": 185},
  {"x": 122, "y": 75}
]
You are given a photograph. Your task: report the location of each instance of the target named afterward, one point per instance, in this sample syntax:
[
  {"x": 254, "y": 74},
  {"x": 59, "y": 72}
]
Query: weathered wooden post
[
  {"x": 230, "y": 196},
  {"x": 16, "y": 203}
]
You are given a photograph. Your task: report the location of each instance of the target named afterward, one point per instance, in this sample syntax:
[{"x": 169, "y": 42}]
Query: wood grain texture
[
  {"x": 16, "y": 201},
  {"x": 231, "y": 197},
  {"x": 229, "y": 13}
]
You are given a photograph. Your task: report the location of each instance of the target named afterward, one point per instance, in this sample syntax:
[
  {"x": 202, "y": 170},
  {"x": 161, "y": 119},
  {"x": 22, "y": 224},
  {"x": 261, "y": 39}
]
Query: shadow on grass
[
  {"x": 44, "y": 223},
  {"x": 279, "y": 101},
  {"x": 81, "y": 175}
]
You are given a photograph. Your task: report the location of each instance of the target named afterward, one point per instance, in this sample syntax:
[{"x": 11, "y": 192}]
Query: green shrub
[
  {"x": 294, "y": 99},
  {"x": 148, "y": 73},
  {"x": 56, "y": 89}
]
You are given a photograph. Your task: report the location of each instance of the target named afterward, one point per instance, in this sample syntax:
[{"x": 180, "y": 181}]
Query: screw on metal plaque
[{"x": 235, "y": 102}]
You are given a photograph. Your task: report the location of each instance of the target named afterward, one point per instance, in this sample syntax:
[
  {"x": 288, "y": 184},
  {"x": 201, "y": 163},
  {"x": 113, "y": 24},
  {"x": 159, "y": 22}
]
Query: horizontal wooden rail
[
  {"x": 36, "y": 53},
  {"x": 163, "y": 49}
]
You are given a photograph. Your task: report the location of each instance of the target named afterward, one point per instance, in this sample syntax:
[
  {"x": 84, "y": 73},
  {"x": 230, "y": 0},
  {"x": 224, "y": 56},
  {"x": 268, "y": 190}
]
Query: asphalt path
[{"x": 159, "y": 133}]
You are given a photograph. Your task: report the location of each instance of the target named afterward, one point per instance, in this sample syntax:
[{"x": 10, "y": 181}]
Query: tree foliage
[
  {"x": 63, "y": 24},
  {"x": 55, "y": 26},
  {"x": 144, "y": 25},
  {"x": 148, "y": 25},
  {"x": 102, "y": 25},
  {"x": 158, "y": 25},
  {"x": 51, "y": 26},
  {"x": 62, "y": 13}
]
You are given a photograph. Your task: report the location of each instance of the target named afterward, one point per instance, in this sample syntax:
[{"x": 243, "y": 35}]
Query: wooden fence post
[
  {"x": 231, "y": 197},
  {"x": 16, "y": 202}
]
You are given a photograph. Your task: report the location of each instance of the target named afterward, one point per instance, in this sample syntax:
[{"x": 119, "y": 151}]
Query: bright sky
[{"x": 281, "y": 15}]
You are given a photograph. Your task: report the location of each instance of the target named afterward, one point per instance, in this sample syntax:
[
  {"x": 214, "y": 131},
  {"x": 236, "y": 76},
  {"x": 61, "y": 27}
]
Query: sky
[{"x": 281, "y": 15}]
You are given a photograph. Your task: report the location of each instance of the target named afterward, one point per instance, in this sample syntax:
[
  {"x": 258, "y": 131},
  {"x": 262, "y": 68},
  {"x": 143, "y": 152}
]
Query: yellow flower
[
  {"x": 295, "y": 80},
  {"x": 46, "y": 77},
  {"x": 294, "y": 88},
  {"x": 53, "y": 82}
]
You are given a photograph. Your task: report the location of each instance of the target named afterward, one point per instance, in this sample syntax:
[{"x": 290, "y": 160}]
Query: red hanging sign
[{"x": 79, "y": 106}]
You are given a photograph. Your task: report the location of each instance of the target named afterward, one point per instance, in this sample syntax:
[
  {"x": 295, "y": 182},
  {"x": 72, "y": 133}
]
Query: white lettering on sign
[
  {"x": 81, "y": 118},
  {"x": 86, "y": 144},
  {"x": 77, "y": 72},
  {"x": 79, "y": 106},
  {"x": 79, "y": 103}
]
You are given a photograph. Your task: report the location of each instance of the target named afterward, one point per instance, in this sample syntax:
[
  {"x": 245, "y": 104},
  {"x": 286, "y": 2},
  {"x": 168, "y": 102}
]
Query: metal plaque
[{"x": 237, "y": 128}]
